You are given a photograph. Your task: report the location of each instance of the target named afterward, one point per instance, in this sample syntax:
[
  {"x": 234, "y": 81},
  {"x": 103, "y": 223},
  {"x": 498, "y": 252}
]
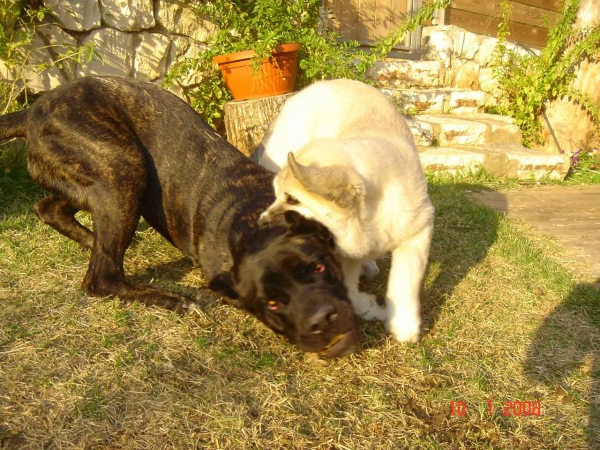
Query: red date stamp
[{"x": 516, "y": 408}]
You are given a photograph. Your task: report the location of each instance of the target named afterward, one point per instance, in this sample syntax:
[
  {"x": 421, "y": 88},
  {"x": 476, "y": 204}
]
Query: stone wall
[
  {"x": 140, "y": 39},
  {"x": 450, "y": 58}
]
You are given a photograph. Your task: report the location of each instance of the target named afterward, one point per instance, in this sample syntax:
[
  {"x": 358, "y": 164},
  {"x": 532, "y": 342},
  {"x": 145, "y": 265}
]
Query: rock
[
  {"x": 115, "y": 50},
  {"x": 430, "y": 101},
  {"x": 501, "y": 129},
  {"x": 182, "y": 48},
  {"x": 572, "y": 126},
  {"x": 484, "y": 53},
  {"x": 151, "y": 53},
  {"x": 179, "y": 19},
  {"x": 536, "y": 165},
  {"x": 422, "y": 132},
  {"x": 458, "y": 39},
  {"x": 392, "y": 73},
  {"x": 487, "y": 81},
  {"x": 466, "y": 102},
  {"x": 50, "y": 44},
  {"x": 468, "y": 76},
  {"x": 81, "y": 15},
  {"x": 403, "y": 73},
  {"x": 471, "y": 129},
  {"x": 465, "y": 160},
  {"x": 470, "y": 46},
  {"x": 438, "y": 44},
  {"x": 426, "y": 73},
  {"x": 128, "y": 15}
]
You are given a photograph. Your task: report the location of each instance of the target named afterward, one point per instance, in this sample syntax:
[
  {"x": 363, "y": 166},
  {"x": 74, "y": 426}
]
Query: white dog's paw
[
  {"x": 369, "y": 269},
  {"x": 405, "y": 327},
  {"x": 366, "y": 307}
]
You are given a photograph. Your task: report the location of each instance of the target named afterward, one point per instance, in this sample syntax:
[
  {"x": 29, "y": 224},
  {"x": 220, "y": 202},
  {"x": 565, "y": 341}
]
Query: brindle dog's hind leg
[
  {"x": 110, "y": 184},
  {"x": 115, "y": 212},
  {"x": 60, "y": 215}
]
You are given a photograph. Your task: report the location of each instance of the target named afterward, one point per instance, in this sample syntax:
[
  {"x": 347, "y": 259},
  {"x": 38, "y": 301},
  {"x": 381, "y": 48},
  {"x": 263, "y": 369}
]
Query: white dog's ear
[{"x": 339, "y": 184}]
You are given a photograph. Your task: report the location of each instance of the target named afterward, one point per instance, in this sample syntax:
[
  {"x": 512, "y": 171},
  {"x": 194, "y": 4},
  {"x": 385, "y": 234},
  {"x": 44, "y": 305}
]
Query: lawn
[{"x": 510, "y": 358}]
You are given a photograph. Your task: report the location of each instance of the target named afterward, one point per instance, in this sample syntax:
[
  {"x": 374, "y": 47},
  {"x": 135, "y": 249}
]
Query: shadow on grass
[
  {"x": 170, "y": 274},
  {"x": 464, "y": 232},
  {"x": 565, "y": 348}
]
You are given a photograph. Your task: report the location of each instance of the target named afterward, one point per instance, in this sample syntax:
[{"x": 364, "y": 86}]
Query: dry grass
[{"x": 506, "y": 322}]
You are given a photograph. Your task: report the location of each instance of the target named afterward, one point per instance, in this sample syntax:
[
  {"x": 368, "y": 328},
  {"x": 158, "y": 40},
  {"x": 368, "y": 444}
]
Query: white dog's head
[{"x": 329, "y": 194}]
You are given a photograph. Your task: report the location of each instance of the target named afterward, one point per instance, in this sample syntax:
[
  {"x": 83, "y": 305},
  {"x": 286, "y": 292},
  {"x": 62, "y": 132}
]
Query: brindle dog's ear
[
  {"x": 223, "y": 284},
  {"x": 301, "y": 225}
]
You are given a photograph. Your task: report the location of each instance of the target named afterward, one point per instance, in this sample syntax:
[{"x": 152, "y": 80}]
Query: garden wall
[{"x": 140, "y": 39}]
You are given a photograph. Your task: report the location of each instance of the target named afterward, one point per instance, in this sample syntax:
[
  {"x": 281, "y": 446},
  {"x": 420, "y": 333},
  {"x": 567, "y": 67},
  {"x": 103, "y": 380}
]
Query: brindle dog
[{"x": 122, "y": 149}]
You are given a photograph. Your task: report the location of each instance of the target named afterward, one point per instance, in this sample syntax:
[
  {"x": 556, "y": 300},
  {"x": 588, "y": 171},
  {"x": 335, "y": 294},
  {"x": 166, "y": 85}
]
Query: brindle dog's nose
[{"x": 321, "y": 318}]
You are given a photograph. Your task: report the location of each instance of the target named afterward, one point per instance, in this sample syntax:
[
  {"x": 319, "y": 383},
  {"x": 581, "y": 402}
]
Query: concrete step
[
  {"x": 438, "y": 101},
  {"x": 466, "y": 129},
  {"x": 501, "y": 160}
]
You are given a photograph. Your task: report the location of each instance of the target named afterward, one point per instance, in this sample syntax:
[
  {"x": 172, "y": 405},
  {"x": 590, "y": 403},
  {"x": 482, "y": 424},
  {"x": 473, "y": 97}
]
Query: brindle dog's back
[{"x": 135, "y": 147}]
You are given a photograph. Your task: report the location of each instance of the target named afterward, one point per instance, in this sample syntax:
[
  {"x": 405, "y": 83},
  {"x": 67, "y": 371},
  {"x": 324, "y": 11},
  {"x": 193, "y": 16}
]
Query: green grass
[
  {"x": 586, "y": 170},
  {"x": 505, "y": 321}
]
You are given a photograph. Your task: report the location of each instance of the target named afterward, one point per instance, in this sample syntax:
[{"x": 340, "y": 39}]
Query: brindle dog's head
[{"x": 290, "y": 278}]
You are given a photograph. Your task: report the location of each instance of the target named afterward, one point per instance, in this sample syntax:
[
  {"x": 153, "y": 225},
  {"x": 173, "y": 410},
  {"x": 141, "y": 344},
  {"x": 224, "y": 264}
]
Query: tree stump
[{"x": 247, "y": 121}]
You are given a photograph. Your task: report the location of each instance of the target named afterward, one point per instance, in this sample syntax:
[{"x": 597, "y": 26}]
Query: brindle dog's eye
[
  {"x": 319, "y": 268},
  {"x": 292, "y": 200},
  {"x": 273, "y": 305}
]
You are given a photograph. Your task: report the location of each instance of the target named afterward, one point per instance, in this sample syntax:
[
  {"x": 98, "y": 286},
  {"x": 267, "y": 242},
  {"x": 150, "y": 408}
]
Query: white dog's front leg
[
  {"x": 409, "y": 262},
  {"x": 364, "y": 304}
]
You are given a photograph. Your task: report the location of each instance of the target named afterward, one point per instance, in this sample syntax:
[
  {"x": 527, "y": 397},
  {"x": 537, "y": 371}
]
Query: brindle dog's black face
[{"x": 291, "y": 280}]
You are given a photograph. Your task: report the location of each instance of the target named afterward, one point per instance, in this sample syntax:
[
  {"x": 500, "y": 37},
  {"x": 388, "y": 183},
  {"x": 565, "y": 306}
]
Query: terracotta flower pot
[{"x": 276, "y": 75}]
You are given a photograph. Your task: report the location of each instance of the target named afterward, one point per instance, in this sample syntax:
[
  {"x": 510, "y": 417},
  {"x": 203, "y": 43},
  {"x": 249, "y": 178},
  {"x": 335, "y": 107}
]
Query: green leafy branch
[{"x": 19, "y": 21}]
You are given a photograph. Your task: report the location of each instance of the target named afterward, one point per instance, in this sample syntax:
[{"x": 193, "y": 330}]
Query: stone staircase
[
  {"x": 444, "y": 95},
  {"x": 453, "y": 135}
]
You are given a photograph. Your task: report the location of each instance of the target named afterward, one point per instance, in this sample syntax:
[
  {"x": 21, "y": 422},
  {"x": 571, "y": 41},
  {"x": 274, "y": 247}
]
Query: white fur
[{"x": 348, "y": 123}]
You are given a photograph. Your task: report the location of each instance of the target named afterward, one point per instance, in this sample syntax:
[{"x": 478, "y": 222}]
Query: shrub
[{"x": 530, "y": 82}]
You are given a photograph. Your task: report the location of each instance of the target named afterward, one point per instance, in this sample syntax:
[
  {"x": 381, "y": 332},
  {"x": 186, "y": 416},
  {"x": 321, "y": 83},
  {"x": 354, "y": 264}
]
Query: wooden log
[{"x": 247, "y": 121}]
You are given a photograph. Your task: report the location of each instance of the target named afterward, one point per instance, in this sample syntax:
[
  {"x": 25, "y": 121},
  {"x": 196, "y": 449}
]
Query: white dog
[{"x": 346, "y": 158}]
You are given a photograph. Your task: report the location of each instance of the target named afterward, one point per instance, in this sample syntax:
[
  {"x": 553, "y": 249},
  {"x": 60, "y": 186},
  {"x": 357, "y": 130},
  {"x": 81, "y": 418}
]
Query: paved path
[{"x": 571, "y": 214}]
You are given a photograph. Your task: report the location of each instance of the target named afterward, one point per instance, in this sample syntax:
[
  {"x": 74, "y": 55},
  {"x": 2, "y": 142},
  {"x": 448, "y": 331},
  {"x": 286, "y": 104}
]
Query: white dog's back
[{"x": 330, "y": 109}]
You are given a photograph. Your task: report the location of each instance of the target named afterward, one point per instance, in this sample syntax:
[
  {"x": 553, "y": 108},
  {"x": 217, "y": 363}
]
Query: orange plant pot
[{"x": 276, "y": 75}]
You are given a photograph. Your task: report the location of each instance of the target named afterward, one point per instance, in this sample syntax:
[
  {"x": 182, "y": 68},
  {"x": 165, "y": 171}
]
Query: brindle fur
[{"x": 123, "y": 149}]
